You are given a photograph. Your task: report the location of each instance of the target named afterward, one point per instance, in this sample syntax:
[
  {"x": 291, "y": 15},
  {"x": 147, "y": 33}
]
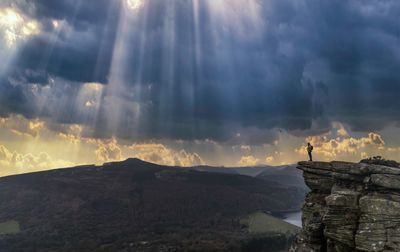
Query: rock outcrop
[{"x": 351, "y": 207}]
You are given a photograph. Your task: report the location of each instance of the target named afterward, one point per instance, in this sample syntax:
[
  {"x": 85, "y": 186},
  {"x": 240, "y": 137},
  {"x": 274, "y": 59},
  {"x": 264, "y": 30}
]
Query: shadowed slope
[{"x": 134, "y": 205}]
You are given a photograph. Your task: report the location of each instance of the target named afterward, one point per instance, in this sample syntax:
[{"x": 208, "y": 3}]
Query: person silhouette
[{"x": 309, "y": 151}]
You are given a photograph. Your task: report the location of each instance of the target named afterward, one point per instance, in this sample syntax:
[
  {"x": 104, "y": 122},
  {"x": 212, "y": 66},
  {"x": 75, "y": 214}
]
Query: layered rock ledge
[{"x": 351, "y": 207}]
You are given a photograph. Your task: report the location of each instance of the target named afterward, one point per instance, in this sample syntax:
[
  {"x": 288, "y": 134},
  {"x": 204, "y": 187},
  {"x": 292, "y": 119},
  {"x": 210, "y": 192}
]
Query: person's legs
[{"x": 310, "y": 156}]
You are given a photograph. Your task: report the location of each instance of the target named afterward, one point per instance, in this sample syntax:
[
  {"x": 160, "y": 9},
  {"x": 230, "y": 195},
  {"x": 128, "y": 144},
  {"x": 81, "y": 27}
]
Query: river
[{"x": 293, "y": 218}]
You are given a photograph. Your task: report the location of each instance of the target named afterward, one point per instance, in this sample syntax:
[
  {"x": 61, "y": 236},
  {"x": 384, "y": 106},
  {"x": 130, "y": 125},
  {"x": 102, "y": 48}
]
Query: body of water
[{"x": 293, "y": 218}]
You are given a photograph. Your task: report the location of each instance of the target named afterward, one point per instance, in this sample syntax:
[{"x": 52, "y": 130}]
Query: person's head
[{"x": 308, "y": 144}]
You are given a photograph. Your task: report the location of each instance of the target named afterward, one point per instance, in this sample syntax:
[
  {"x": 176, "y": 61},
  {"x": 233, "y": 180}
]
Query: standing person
[{"x": 309, "y": 150}]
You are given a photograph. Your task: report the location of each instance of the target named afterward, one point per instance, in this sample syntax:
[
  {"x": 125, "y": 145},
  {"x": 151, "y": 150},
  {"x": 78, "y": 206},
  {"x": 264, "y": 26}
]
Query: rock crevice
[{"x": 351, "y": 207}]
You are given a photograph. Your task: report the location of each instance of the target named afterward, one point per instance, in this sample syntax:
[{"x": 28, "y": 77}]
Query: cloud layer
[
  {"x": 226, "y": 72},
  {"x": 201, "y": 69}
]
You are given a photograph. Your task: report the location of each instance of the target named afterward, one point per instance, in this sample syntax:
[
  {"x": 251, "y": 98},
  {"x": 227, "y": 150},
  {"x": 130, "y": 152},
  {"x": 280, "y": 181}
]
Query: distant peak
[
  {"x": 136, "y": 161},
  {"x": 127, "y": 161}
]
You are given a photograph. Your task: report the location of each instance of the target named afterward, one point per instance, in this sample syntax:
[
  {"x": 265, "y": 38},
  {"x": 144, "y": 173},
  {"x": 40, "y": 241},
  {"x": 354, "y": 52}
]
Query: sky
[{"x": 195, "y": 82}]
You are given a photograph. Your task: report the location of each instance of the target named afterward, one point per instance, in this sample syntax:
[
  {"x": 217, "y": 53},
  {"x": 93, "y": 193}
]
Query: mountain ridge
[
  {"x": 136, "y": 205},
  {"x": 205, "y": 168}
]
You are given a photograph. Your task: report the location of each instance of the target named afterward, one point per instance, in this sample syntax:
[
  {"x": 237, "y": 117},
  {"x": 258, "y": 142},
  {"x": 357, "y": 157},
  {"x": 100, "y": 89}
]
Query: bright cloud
[
  {"x": 21, "y": 126},
  {"x": 344, "y": 146},
  {"x": 269, "y": 159},
  {"x": 72, "y": 133},
  {"x": 159, "y": 153},
  {"x": 134, "y": 4},
  {"x": 12, "y": 162},
  {"x": 16, "y": 26},
  {"x": 108, "y": 151},
  {"x": 33, "y": 144},
  {"x": 249, "y": 161}
]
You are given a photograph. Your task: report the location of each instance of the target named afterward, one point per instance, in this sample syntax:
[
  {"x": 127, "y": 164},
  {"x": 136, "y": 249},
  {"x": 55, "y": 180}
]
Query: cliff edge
[{"x": 351, "y": 207}]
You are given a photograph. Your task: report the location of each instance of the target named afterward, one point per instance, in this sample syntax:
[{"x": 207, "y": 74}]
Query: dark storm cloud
[
  {"x": 295, "y": 65},
  {"x": 80, "y": 49},
  {"x": 358, "y": 46},
  {"x": 13, "y": 99}
]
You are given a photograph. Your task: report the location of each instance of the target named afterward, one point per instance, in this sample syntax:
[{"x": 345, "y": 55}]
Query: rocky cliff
[{"x": 351, "y": 207}]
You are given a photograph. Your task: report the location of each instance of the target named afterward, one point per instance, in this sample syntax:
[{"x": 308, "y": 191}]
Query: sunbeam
[
  {"x": 134, "y": 4},
  {"x": 127, "y": 93},
  {"x": 15, "y": 28},
  {"x": 232, "y": 75},
  {"x": 117, "y": 102}
]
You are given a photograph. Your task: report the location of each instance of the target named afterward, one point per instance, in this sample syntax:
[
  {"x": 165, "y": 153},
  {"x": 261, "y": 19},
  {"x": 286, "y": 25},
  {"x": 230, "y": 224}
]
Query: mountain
[
  {"x": 286, "y": 175},
  {"x": 138, "y": 206},
  {"x": 248, "y": 171}
]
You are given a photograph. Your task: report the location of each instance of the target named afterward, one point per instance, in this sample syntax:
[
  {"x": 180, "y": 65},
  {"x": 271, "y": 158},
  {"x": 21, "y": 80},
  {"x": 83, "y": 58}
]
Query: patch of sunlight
[
  {"x": 16, "y": 26},
  {"x": 134, "y": 4},
  {"x": 9, "y": 227},
  {"x": 260, "y": 223}
]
